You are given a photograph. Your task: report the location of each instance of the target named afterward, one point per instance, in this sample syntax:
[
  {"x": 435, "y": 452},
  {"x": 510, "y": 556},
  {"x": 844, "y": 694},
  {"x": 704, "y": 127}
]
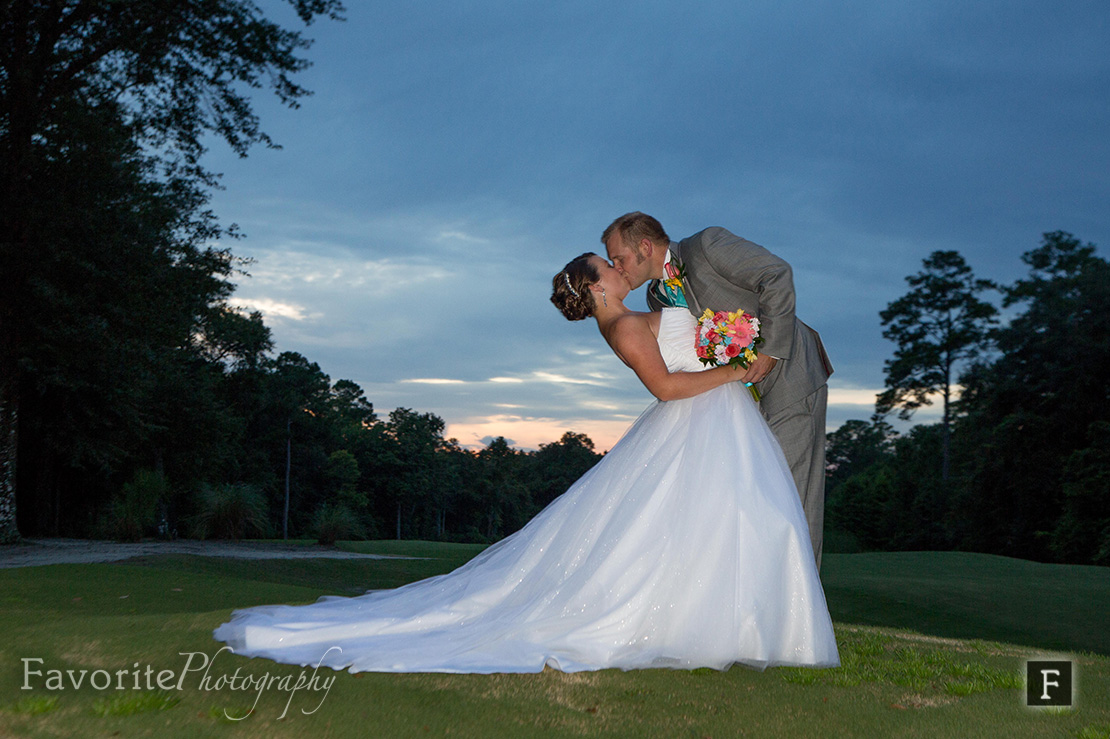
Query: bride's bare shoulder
[
  {"x": 637, "y": 319},
  {"x": 634, "y": 326}
]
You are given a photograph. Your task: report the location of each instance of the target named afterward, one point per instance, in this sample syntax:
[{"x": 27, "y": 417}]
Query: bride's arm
[{"x": 633, "y": 341}]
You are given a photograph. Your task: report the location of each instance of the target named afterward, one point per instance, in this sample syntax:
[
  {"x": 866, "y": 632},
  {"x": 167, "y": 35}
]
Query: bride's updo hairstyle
[{"x": 570, "y": 289}]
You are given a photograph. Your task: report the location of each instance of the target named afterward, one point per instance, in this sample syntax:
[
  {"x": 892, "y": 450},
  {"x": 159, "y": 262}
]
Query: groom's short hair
[{"x": 635, "y": 226}]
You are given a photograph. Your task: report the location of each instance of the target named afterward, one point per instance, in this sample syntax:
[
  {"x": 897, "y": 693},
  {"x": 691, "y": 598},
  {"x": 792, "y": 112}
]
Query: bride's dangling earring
[{"x": 603, "y": 300}]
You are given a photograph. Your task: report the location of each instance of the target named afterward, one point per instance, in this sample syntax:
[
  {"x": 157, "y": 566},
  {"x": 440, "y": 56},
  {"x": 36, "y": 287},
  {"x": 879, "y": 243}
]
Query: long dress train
[{"x": 685, "y": 546}]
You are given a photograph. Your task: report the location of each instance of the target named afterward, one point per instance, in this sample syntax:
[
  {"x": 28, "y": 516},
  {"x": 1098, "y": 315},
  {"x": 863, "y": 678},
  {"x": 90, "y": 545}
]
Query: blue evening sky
[{"x": 456, "y": 154}]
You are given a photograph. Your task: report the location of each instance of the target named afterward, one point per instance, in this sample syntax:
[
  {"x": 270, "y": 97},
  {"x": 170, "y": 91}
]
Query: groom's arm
[{"x": 751, "y": 267}]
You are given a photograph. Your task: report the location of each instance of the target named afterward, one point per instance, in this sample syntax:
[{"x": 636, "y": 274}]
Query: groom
[{"x": 724, "y": 272}]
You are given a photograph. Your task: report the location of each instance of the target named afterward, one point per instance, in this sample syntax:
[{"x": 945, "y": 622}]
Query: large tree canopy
[
  {"x": 179, "y": 68},
  {"x": 113, "y": 290},
  {"x": 1036, "y": 414}
]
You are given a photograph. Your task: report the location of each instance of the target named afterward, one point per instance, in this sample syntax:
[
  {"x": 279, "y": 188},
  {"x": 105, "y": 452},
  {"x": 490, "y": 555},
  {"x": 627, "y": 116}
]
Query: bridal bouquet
[{"x": 728, "y": 338}]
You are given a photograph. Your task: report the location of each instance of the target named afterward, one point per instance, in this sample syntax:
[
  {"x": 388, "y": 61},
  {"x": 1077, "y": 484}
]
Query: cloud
[
  {"x": 487, "y": 440},
  {"x": 325, "y": 267},
  {"x": 565, "y": 380},
  {"x": 531, "y": 432},
  {"x": 459, "y": 236},
  {"x": 272, "y": 308},
  {"x": 852, "y": 396}
]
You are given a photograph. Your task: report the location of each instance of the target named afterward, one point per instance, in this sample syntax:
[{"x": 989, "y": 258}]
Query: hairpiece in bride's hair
[{"x": 573, "y": 292}]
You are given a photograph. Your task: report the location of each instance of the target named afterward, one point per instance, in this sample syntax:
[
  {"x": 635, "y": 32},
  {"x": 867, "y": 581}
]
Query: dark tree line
[
  {"x": 1029, "y": 458},
  {"x": 270, "y": 446}
]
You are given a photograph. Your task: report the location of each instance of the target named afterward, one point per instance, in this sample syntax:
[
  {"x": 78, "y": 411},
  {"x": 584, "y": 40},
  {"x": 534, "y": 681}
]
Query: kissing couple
[{"x": 686, "y": 546}]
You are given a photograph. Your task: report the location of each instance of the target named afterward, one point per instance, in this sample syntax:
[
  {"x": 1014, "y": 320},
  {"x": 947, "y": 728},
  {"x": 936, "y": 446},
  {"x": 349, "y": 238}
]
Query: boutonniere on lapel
[
  {"x": 676, "y": 273},
  {"x": 672, "y": 283}
]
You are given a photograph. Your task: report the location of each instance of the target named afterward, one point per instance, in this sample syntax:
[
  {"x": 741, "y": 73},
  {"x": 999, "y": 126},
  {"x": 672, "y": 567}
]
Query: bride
[{"x": 684, "y": 547}]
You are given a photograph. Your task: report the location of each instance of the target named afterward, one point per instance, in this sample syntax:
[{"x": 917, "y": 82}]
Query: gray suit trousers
[{"x": 800, "y": 429}]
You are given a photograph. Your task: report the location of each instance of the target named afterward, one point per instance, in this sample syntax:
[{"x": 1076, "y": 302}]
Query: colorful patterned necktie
[{"x": 660, "y": 292}]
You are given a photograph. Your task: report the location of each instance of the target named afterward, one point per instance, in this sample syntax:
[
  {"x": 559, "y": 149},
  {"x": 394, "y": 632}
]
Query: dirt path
[{"x": 34, "y": 552}]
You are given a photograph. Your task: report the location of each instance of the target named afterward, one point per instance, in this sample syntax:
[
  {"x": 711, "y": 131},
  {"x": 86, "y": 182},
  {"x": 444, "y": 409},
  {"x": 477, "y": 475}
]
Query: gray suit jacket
[{"x": 725, "y": 272}]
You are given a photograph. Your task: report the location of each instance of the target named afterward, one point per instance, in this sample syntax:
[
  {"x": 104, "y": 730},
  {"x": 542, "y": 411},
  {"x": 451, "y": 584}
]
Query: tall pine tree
[{"x": 938, "y": 324}]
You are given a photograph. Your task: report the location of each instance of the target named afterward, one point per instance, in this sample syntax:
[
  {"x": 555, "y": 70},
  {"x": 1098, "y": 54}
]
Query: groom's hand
[{"x": 759, "y": 369}]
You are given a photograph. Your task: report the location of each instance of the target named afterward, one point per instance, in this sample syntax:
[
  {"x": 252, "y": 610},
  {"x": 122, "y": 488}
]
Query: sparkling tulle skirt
[{"x": 684, "y": 547}]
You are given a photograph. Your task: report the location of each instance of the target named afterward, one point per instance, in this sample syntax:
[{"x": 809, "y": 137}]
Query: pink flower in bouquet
[
  {"x": 742, "y": 332},
  {"x": 703, "y": 351},
  {"x": 720, "y": 317},
  {"x": 732, "y": 350}
]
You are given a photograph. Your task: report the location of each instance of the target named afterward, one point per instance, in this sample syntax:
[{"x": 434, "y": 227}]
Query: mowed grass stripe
[{"x": 973, "y": 596}]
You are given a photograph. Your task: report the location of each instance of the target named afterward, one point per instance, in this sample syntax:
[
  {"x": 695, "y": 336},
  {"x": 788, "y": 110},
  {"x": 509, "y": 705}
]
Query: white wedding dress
[{"x": 684, "y": 547}]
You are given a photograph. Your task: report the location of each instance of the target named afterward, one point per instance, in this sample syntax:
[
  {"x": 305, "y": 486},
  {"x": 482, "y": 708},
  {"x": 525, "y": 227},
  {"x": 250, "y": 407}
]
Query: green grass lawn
[
  {"x": 973, "y": 596},
  {"x": 932, "y": 644}
]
